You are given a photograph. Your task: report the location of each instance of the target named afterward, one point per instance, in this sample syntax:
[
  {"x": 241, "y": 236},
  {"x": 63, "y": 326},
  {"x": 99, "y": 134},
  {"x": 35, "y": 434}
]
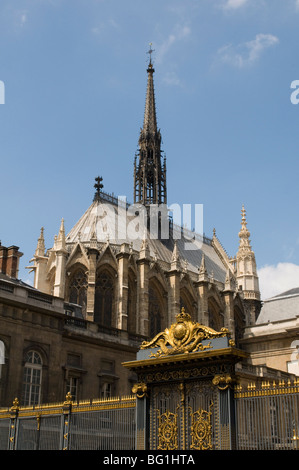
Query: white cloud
[
  {"x": 180, "y": 32},
  {"x": 171, "y": 78},
  {"x": 23, "y": 18},
  {"x": 247, "y": 53},
  {"x": 104, "y": 26},
  {"x": 234, "y": 4},
  {"x": 276, "y": 279},
  {"x": 20, "y": 18},
  {"x": 297, "y": 4}
]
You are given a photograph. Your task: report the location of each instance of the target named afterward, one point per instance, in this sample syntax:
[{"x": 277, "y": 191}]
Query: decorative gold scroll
[
  {"x": 201, "y": 429},
  {"x": 184, "y": 336},
  {"x": 167, "y": 431},
  {"x": 222, "y": 381},
  {"x": 140, "y": 389}
]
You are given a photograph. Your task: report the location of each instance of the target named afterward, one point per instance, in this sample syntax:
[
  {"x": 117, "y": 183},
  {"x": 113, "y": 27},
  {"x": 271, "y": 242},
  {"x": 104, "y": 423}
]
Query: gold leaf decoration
[{"x": 184, "y": 336}]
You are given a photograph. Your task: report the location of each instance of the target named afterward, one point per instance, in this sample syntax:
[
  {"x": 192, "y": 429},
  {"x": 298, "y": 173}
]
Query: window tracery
[
  {"x": 103, "y": 305},
  {"x": 78, "y": 290}
]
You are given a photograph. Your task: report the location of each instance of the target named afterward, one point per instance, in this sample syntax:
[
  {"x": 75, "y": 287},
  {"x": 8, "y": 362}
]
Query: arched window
[
  {"x": 155, "y": 313},
  {"x": 186, "y": 302},
  {"x": 78, "y": 289},
  {"x": 32, "y": 379},
  {"x": 132, "y": 299},
  {"x": 216, "y": 320},
  {"x": 103, "y": 302}
]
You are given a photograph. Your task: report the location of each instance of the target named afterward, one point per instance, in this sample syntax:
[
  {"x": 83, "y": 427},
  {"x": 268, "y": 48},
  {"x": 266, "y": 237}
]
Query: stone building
[
  {"x": 138, "y": 282},
  {"x": 273, "y": 340},
  {"x": 47, "y": 349},
  {"x": 120, "y": 275}
]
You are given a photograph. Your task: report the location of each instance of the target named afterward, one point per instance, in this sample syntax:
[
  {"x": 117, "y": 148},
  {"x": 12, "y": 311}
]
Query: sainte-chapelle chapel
[{"x": 120, "y": 276}]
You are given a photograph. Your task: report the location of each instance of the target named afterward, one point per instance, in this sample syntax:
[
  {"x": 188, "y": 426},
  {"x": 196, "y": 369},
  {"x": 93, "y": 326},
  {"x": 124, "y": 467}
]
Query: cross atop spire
[{"x": 150, "y": 54}]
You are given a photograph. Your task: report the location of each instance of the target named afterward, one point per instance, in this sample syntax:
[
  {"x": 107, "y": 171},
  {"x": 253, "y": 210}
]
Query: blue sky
[{"x": 75, "y": 78}]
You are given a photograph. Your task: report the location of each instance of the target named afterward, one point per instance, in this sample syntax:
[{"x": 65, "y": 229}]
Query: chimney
[
  {"x": 3, "y": 257},
  {"x": 9, "y": 260}
]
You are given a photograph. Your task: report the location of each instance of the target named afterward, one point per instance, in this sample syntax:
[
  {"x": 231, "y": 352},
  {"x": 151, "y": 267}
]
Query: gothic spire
[
  {"x": 40, "y": 249},
  {"x": 149, "y": 171},
  {"x": 203, "y": 269},
  {"x": 175, "y": 259},
  {"x": 60, "y": 245},
  {"x": 150, "y": 118},
  {"x": 244, "y": 233},
  {"x": 246, "y": 274}
]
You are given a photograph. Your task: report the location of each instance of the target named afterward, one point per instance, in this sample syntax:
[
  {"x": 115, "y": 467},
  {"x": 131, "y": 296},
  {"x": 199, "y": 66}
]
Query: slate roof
[
  {"x": 280, "y": 307},
  {"x": 14, "y": 281},
  {"x": 91, "y": 222},
  {"x": 294, "y": 291}
]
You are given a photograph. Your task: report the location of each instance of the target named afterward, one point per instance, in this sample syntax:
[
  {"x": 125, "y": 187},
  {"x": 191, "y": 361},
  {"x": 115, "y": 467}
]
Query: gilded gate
[
  {"x": 267, "y": 418},
  {"x": 186, "y": 398},
  {"x": 182, "y": 416},
  {"x": 97, "y": 424},
  {"x": 184, "y": 390}
]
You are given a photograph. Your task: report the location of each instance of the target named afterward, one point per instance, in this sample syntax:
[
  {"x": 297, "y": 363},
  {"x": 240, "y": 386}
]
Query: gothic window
[
  {"x": 212, "y": 323},
  {"x": 32, "y": 379},
  {"x": 78, "y": 290},
  {"x": 186, "y": 303},
  {"x": 215, "y": 317},
  {"x": 103, "y": 299},
  {"x": 154, "y": 313},
  {"x": 132, "y": 298}
]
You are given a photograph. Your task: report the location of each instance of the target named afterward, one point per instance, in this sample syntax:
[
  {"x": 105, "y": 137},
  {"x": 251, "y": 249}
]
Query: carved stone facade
[{"x": 141, "y": 286}]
